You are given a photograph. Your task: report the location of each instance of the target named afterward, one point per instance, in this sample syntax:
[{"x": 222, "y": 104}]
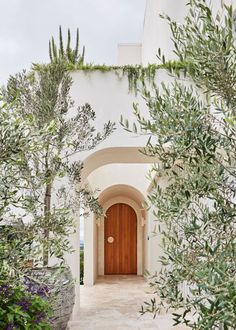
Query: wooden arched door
[{"x": 120, "y": 235}]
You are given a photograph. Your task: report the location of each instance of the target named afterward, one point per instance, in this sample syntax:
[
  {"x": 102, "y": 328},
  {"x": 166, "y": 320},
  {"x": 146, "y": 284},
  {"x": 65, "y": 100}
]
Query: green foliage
[
  {"x": 209, "y": 45},
  {"x": 137, "y": 74},
  {"x": 23, "y": 309},
  {"x": 40, "y": 186},
  {"x": 15, "y": 248},
  {"x": 192, "y": 131},
  {"x": 81, "y": 266},
  {"x": 69, "y": 55},
  {"x": 15, "y": 140},
  {"x": 43, "y": 97}
]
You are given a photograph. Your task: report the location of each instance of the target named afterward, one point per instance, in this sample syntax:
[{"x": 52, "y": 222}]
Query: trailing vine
[{"x": 136, "y": 74}]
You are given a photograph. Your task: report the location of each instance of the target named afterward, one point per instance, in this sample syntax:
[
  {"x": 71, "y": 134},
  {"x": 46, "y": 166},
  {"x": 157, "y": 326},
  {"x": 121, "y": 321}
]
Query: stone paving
[{"x": 113, "y": 303}]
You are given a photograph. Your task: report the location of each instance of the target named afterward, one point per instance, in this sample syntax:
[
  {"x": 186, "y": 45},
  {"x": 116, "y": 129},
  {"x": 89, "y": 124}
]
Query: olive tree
[
  {"x": 15, "y": 139},
  {"x": 43, "y": 97},
  {"x": 192, "y": 128}
]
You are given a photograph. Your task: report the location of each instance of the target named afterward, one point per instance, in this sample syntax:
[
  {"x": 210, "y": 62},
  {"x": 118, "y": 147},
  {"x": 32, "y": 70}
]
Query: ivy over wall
[{"x": 136, "y": 74}]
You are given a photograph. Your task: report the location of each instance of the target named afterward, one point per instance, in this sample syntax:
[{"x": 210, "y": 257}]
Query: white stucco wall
[
  {"x": 109, "y": 97},
  {"x": 113, "y": 174},
  {"x": 129, "y": 54},
  {"x": 156, "y": 33},
  {"x": 90, "y": 250}
]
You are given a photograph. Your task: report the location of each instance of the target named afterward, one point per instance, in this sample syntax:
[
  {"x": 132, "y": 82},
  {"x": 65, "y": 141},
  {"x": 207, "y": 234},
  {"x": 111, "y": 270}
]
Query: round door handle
[{"x": 110, "y": 239}]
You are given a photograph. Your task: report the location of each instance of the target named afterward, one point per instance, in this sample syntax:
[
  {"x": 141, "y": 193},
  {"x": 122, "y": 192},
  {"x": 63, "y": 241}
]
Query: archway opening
[
  {"x": 133, "y": 199},
  {"x": 119, "y": 173}
]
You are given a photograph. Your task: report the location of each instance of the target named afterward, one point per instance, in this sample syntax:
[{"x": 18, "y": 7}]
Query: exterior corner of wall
[{"x": 89, "y": 249}]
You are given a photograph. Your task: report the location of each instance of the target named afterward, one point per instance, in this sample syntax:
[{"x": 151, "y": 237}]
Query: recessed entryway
[
  {"x": 120, "y": 240},
  {"x": 135, "y": 242},
  {"x": 126, "y": 232}
]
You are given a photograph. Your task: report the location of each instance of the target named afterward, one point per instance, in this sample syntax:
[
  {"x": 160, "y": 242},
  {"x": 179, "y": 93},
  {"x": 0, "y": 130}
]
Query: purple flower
[
  {"x": 43, "y": 291},
  {"x": 30, "y": 287},
  {"x": 5, "y": 290},
  {"x": 39, "y": 318},
  {"x": 10, "y": 326},
  {"x": 37, "y": 289},
  {"x": 24, "y": 304},
  {"x": 4, "y": 287}
]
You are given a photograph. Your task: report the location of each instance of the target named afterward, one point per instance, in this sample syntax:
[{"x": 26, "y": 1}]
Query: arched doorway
[
  {"x": 120, "y": 240},
  {"x": 94, "y": 247}
]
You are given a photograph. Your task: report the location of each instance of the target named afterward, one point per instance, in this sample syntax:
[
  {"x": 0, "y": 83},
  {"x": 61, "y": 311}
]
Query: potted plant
[{"x": 21, "y": 306}]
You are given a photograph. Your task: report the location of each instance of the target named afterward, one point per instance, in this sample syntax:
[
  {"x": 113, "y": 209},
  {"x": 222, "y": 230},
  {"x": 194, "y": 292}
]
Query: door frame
[
  {"x": 122, "y": 224},
  {"x": 101, "y": 254}
]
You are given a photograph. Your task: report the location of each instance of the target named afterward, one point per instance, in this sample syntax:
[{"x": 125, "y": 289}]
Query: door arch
[{"x": 120, "y": 240}]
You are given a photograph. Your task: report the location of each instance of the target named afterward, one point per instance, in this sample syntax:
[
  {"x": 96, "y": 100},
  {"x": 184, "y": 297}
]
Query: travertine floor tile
[{"x": 114, "y": 304}]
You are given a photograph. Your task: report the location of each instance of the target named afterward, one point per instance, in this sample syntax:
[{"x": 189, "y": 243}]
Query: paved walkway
[{"x": 113, "y": 303}]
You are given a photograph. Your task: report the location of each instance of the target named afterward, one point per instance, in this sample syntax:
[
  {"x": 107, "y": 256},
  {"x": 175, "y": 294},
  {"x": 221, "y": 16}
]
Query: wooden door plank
[
  {"x": 111, "y": 249},
  {"x": 121, "y": 255}
]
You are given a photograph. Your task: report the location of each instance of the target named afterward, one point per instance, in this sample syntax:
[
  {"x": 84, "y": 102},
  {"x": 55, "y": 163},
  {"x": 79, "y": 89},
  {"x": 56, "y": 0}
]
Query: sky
[{"x": 26, "y": 27}]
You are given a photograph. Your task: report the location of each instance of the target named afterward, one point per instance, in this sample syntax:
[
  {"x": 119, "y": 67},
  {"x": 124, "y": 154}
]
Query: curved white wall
[
  {"x": 110, "y": 98},
  {"x": 134, "y": 175},
  {"x": 156, "y": 33}
]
